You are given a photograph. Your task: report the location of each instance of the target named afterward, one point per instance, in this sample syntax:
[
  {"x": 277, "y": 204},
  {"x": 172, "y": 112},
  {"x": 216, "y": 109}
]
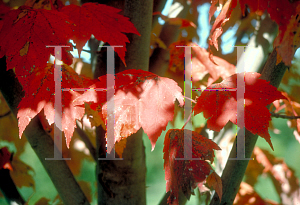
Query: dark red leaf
[
  {"x": 26, "y": 33},
  {"x": 186, "y": 174}
]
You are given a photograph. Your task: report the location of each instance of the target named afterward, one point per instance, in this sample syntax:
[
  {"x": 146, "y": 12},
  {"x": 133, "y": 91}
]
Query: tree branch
[
  {"x": 235, "y": 169},
  {"x": 181, "y": 198},
  {"x": 158, "y": 5},
  {"x": 284, "y": 116},
  {"x": 42, "y": 143}
]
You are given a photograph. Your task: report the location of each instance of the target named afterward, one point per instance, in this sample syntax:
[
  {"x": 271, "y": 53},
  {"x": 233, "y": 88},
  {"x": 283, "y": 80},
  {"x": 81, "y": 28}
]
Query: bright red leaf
[
  {"x": 142, "y": 99},
  {"x": 103, "y": 22},
  {"x": 222, "y": 106},
  {"x": 40, "y": 95},
  {"x": 3, "y": 11},
  {"x": 25, "y": 34},
  {"x": 186, "y": 174}
]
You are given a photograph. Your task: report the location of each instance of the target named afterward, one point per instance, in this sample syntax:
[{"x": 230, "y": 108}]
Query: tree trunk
[{"x": 124, "y": 181}]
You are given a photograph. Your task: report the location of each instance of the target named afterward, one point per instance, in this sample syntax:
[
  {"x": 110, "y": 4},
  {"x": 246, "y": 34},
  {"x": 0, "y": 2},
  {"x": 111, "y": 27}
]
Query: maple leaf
[
  {"x": 3, "y": 11},
  {"x": 25, "y": 34},
  {"x": 22, "y": 174},
  {"x": 247, "y": 195},
  {"x": 292, "y": 108},
  {"x": 222, "y": 106},
  {"x": 283, "y": 12},
  {"x": 201, "y": 64},
  {"x": 186, "y": 174},
  {"x": 40, "y": 95},
  {"x": 40, "y": 4},
  {"x": 176, "y": 62},
  {"x": 286, "y": 15},
  {"x": 214, "y": 180},
  {"x": 212, "y": 9},
  {"x": 288, "y": 39},
  {"x": 103, "y": 22},
  {"x": 222, "y": 18},
  {"x": 142, "y": 99},
  {"x": 281, "y": 174}
]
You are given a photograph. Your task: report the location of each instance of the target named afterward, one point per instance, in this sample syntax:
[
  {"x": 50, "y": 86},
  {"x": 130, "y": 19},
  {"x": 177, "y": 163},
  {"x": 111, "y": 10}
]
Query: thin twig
[
  {"x": 190, "y": 113},
  {"x": 284, "y": 116},
  {"x": 194, "y": 101},
  {"x": 187, "y": 120}
]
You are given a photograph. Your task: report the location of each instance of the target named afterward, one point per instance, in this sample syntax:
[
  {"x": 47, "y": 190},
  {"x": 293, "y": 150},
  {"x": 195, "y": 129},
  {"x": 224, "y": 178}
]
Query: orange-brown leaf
[{"x": 214, "y": 180}]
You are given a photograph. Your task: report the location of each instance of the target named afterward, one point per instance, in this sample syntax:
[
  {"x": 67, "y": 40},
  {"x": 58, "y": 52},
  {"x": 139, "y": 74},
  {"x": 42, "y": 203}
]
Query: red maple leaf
[
  {"x": 103, "y": 22},
  {"x": 201, "y": 64},
  {"x": 142, "y": 99},
  {"x": 222, "y": 106},
  {"x": 41, "y": 93},
  {"x": 3, "y": 11},
  {"x": 186, "y": 174},
  {"x": 25, "y": 34}
]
